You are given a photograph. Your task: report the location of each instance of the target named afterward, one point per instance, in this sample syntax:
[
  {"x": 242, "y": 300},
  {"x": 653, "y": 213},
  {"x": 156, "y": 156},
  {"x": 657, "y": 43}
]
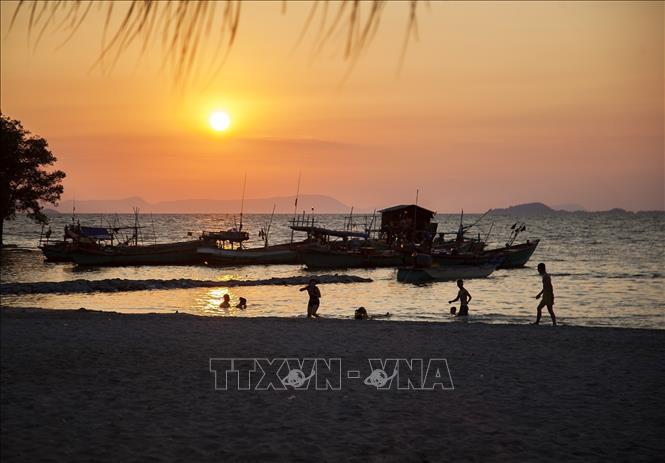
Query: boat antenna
[{"x": 242, "y": 202}]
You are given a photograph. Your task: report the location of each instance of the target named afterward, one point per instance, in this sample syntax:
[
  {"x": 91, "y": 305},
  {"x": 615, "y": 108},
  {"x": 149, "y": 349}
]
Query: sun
[{"x": 220, "y": 121}]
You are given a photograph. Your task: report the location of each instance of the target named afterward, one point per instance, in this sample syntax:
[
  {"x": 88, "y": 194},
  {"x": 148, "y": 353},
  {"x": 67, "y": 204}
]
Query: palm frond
[{"x": 184, "y": 25}]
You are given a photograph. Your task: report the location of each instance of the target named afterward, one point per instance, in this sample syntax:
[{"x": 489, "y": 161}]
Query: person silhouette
[
  {"x": 548, "y": 295},
  {"x": 226, "y": 303},
  {"x": 242, "y": 303},
  {"x": 464, "y": 297},
  {"x": 314, "y": 298}
]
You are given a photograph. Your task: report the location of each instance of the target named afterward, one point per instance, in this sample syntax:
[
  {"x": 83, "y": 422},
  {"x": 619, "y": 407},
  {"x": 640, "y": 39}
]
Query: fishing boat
[
  {"x": 280, "y": 254},
  {"x": 443, "y": 273},
  {"x": 226, "y": 249},
  {"x": 75, "y": 236},
  {"x": 179, "y": 253},
  {"x": 462, "y": 249},
  {"x": 131, "y": 250},
  {"x": 320, "y": 257}
]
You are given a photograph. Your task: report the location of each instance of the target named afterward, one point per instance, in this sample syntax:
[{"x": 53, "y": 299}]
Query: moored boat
[
  {"x": 443, "y": 273},
  {"x": 363, "y": 257},
  {"x": 179, "y": 253},
  {"x": 281, "y": 254},
  {"x": 75, "y": 236}
]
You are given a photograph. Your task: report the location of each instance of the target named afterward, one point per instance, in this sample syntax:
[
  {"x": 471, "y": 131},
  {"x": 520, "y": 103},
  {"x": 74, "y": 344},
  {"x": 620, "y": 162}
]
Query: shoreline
[
  {"x": 27, "y": 312},
  {"x": 108, "y": 386}
]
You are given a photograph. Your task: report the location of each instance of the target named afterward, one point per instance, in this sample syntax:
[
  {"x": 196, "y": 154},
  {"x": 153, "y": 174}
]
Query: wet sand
[{"x": 82, "y": 386}]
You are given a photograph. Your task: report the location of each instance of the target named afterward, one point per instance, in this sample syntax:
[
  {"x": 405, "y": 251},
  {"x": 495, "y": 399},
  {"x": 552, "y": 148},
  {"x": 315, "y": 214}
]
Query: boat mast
[
  {"x": 415, "y": 214},
  {"x": 295, "y": 206},
  {"x": 242, "y": 202},
  {"x": 269, "y": 224},
  {"x": 136, "y": 226}
]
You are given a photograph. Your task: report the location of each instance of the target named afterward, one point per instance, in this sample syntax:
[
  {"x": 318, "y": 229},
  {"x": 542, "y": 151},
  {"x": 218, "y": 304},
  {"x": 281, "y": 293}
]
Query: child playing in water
[
  {"x": 464, "y": 297},
  {"x": 361, "y": 314},
  {"x": 314, "y": 297},
  {"x": 226, "y": 303},
  {"x": 242, "y": 303}
]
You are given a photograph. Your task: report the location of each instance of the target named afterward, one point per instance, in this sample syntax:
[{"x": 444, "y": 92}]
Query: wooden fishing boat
[
  {"x": 179, "y": 253},
  {"x": 363, "y": 257},
  {"x": 75, "y": 236},
  {"x": 280, "y": 254},
  {"x": 443, "y": 273}
]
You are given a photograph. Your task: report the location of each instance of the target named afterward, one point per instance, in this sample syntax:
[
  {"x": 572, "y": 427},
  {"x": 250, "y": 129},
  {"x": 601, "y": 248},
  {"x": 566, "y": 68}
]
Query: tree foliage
[{"x": 24, "y": 183}]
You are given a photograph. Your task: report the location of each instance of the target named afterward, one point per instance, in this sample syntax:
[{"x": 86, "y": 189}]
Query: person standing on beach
[
  {"x": 464, "y": 297},
  {"x": 548, "y": 295},
  {"x": 314, "y": 297}
]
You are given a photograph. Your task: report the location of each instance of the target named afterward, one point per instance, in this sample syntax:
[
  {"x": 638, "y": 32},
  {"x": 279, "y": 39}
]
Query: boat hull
[
  {"x": 444, "y": 273},
  {"x": 182, "y": 253},
  {"x": 57, "y": 252},
  {"x": 278, "y": 255},
  {"x": 515, "y": 256},
  {"x": 319, "y": 259}
]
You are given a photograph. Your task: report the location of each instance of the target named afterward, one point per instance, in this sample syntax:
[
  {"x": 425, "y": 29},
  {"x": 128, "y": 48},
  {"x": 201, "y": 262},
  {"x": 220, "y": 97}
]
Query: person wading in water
[{"x": 314, "y": 297}]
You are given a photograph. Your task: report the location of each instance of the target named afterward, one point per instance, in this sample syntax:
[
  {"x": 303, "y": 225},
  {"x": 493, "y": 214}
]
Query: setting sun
[{"x": 219, "y": 121}]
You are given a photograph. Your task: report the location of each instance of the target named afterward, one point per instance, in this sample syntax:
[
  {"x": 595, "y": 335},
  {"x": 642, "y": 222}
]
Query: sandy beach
[{"x": 82, "y": 386}]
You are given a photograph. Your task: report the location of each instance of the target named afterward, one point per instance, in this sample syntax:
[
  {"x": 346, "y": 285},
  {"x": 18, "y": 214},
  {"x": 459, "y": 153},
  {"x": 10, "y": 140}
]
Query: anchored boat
[
  {"x": 363, "y": 257},
  {"x": 443, "y": 273}
]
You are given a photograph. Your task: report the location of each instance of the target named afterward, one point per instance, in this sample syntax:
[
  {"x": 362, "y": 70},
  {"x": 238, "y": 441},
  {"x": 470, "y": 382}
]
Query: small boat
[
  {"x": 443, "y": 273},
  {"x": 363, "y": 257}
]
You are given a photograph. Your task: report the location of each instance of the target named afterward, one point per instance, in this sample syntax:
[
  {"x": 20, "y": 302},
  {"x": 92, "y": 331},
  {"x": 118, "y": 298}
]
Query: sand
[{"x": 84, "y": 386}]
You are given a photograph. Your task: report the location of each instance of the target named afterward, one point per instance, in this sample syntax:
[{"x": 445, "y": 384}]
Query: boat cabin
[{"x": 407, "y": 224}]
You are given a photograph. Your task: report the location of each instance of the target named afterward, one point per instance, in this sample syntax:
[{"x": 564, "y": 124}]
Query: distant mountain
[
  {"x": 283, "y": 205},
  {"x": 525, "y": 210},
  {"x": 530, "y": 209},
  {"x": 569, "y": 207}
]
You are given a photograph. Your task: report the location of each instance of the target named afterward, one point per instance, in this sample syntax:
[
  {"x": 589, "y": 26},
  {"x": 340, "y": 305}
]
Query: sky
[{"x": 494, "y": 104}]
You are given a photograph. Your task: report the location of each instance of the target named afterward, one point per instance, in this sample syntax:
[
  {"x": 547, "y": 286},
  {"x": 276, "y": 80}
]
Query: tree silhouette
[{"x": 23, "y": 181}]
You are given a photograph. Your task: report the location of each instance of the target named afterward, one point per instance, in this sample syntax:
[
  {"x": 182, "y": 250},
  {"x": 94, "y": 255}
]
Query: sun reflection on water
[{"x": 210, "y": 302}]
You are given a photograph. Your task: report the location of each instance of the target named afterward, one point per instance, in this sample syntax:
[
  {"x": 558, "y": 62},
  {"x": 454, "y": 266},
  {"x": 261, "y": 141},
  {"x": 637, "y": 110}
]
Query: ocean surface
[{"x": 607, "y": 270}]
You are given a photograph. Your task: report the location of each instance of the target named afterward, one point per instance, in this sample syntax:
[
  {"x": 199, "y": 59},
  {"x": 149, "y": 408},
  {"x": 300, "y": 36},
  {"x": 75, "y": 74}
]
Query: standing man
[
  {"x": 464, "y": 297},
  {"x": 548, "y": 295},
  {"x": 314, "y": 296}
]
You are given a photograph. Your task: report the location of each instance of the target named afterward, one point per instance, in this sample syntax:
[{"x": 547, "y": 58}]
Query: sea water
[{"x": 607, "y": 270}]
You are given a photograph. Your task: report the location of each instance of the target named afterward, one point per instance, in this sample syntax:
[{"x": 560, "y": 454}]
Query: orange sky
[{"x": 496, "y": 104}]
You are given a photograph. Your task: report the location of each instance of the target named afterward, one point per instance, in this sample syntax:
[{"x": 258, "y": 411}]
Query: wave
[{"x": 119, "y": 284}]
